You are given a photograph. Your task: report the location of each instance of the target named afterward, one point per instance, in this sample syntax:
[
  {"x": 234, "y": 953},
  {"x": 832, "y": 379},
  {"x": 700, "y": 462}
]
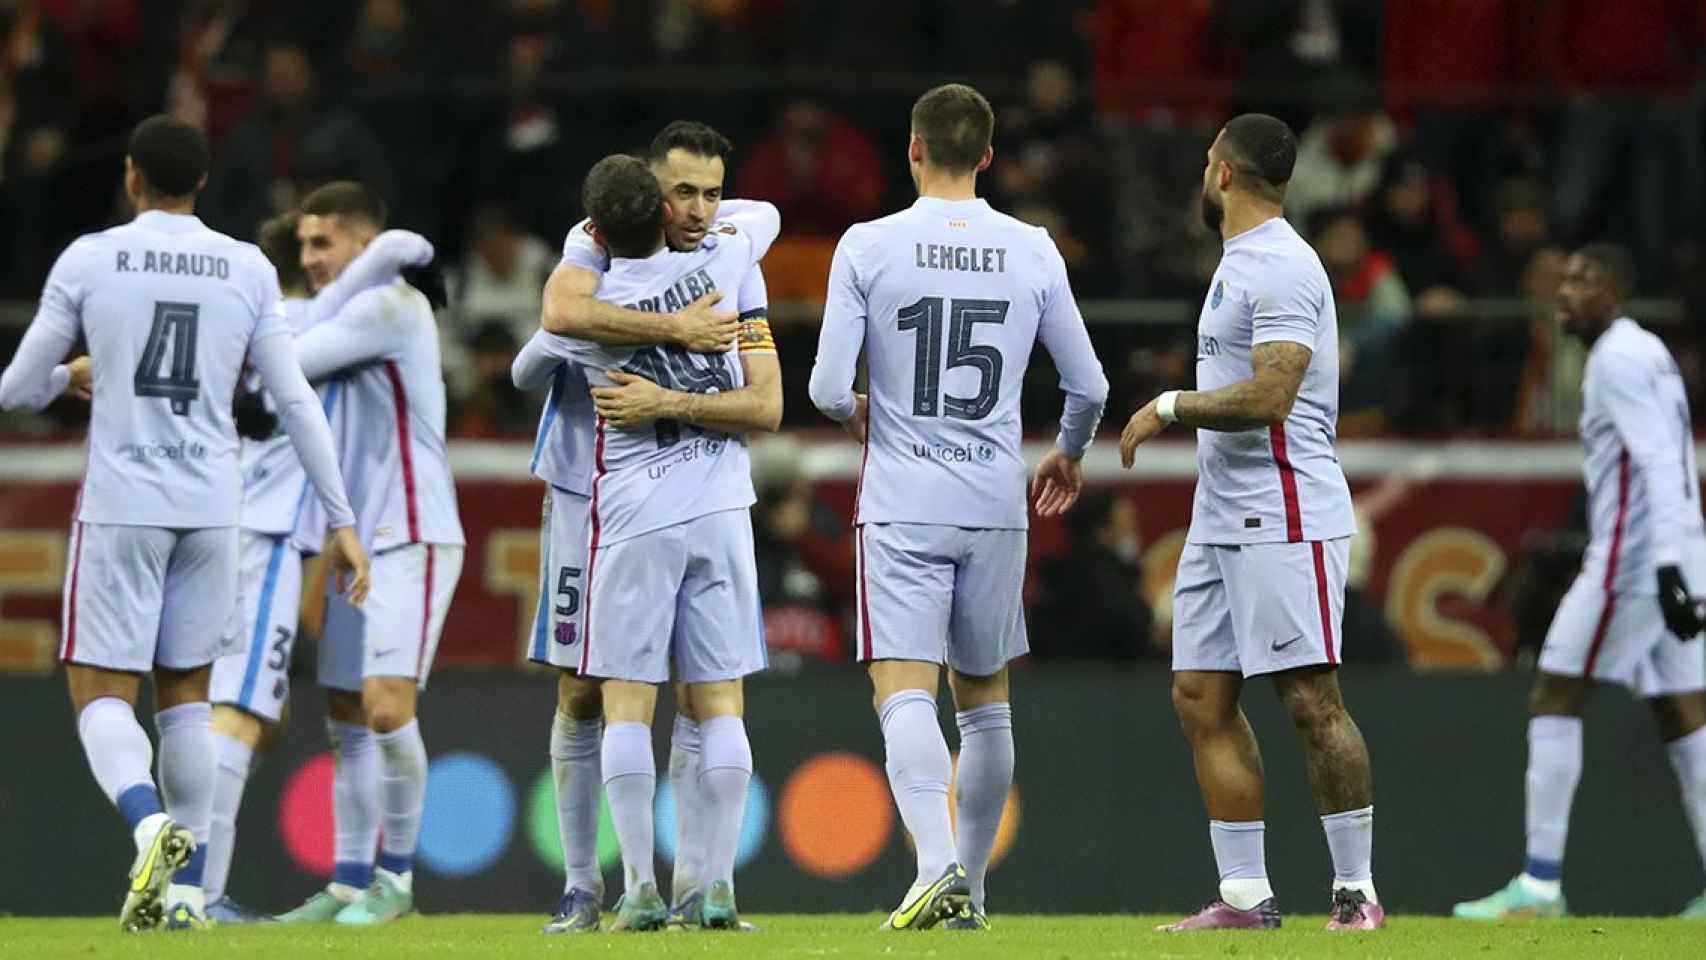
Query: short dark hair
[
  {"x": 956, "y": 124},
  {"x": 170, "y": 154},
  {"x": 349, "y": 199},
  {"x": 692, "y": 136},
  {"x": 277, "y": 239},
  {"x": 1615, "y": 264},
  {"x": 1262, "y": 151},
  {"x": 625, "y": 203}
]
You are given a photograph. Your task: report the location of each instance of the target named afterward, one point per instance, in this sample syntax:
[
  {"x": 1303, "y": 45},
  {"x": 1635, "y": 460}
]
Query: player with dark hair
[
  {"x": 686, "y": 159},
  {"x": 152, "y": 579},
  {"x": 946, "y": 301},
  {"x": 1631, "y": 617},
  {"x": 1261, "y": 581},
  {"x": 665, "y": 561},
  {"x": 379, "y": 346}
]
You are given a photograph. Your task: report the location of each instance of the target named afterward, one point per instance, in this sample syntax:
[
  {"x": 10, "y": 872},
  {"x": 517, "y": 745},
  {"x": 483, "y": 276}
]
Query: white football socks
[
  {"x": 121, "y": 758},
  {"x": 630, "y": 784},
  {"x": 919, "y": 768},
  {"x": 1688, "y": 759},
  {"x": 233, "y": 760},
  {"x": 575, "y": 749},
  {"x": 1350, "y": 839},
  {"x": 355, "y": 803},
  {"x": 1554, "y": 768},
  {"x": 981, "y": 785},
  {"x": 1241, "y": 858},
  {"x": 725, "y": 773},
  {"x": 402, "y": 795},
  {"x": 187, "y": 776},
  {"x": 685, "y": 752}
]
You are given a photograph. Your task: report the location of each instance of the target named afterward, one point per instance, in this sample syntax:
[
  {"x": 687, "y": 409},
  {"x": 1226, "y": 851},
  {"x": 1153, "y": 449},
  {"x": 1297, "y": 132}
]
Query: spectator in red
[
  {"x": 820, "y": 170},
  {"x": 1373, "y": 303},
  {"x": 1446, "y": 64},
  {"x": 1151, "y": 57},
  {"x": 1629, "y": 126}
]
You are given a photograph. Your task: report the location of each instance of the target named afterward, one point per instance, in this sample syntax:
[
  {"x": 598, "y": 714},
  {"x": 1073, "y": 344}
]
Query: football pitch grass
[{"x": 845, "y": 935}]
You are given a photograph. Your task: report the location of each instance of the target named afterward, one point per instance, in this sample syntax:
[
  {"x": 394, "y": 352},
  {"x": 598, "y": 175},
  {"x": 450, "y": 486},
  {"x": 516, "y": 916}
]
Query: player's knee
[
  {"x": 1555, "y": 696},
  {"x": 579, "y": 698},
  {"x": 1196, "y": 708},
  {"x": 1312, "y": 706},
  {"x": 387, "y": 709}
]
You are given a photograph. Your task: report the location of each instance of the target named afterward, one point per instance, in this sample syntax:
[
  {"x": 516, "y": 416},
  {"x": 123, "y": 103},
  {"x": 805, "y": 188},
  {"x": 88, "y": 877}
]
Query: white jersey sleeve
[
  {"x": 1061, "y": 331},
  {"x": 385, "y": 256},
  {"x": 582, "y": 250},
  {"x": 842, "y": 335},
  {"x": 36, "y": 377},
  {"x": 299, "y": 412}
]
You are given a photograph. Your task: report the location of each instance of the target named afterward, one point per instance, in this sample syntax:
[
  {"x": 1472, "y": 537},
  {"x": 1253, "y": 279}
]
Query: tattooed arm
[{"x": 1276, "y": 372}]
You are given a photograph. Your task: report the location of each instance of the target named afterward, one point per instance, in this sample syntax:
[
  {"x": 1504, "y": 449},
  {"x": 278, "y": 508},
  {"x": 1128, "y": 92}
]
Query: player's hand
[
  {"x": 82, "y": 385},
  {"x": 633, "y": 402},
  {"x": 1143, "y": 425},
  {"x": 1678, "y": 604},
  {"x": 859, "y": 422},
  {"x": 348, "y": 563},
  {"x": 702, "y": 329},
  {"x": 1056, "y": 485}
]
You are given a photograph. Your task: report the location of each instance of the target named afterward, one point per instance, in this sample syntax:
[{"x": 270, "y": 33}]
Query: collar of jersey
[
  {"x": 168, "y": 222},
  {"x": 1256, "y": 232},
  {"x": 958, "y": 208}
]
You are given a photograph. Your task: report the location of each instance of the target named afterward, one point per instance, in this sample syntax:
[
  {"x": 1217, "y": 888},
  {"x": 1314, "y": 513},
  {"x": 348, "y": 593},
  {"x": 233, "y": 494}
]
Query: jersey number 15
[{"x": 925, "y": 316}]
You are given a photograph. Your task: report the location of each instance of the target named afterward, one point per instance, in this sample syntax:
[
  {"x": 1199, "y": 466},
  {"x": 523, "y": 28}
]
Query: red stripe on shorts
[
  {"x": 1321, "y": 595},
  {"x": 426, "y": 616},
  {"x": 71, "y": 604},
  {"x": 864, "y": 600},
  {"x": 592, "y": 549}
]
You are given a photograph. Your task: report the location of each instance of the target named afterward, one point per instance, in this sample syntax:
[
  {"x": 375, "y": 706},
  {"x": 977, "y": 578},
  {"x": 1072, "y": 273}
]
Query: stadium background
[{"x": 1451, "y": 152}]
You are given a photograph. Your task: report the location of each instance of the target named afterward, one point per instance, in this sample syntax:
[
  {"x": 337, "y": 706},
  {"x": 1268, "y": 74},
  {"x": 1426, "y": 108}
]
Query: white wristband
[{"x": 1164, "y": 406}]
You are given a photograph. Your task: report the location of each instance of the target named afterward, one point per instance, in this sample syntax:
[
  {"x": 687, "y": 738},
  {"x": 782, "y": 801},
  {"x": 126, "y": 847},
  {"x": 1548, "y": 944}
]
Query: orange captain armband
[{"x": 755, "y": 334}]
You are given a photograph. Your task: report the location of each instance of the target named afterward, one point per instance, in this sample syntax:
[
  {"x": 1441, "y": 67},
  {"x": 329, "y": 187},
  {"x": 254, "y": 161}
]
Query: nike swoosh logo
[
  {"x": 382, "y": 653},
  {"x": 910, "y": 912},
  {"x": 146, "y": 874},
  {"x": 1281, "y": 646}
]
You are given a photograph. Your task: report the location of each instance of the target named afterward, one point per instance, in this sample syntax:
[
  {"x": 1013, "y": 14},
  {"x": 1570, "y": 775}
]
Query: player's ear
[
  {"x": 598, "y": 237},
  {"x": 988, "y": 158},
  {"x": 915, "y": 149}
]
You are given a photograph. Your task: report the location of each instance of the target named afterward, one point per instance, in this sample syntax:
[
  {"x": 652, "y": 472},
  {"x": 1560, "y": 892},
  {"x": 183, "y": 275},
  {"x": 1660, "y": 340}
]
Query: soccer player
[
  {"x": 670, "y": 576},
  {"x": 688, "y": 159},
  {"x": 1261, "y": 582},
  {"x": 280, "y": 525},
  {"x": 947, "y": 299},
  {"x": 152, "y": 580},
  {"x": 382, "y": 347},
  {"x": 1630, "y": 618}
]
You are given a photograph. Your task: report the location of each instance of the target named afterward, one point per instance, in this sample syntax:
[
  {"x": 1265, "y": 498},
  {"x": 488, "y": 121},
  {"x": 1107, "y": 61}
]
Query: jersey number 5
[
  {"x": 167, "y": 368},
  {"x": 925, "y": 316}
]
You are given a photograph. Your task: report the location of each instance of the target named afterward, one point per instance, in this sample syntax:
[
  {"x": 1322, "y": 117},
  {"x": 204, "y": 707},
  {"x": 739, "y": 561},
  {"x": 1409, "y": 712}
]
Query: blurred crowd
[{"x": 1450, "y": 151}]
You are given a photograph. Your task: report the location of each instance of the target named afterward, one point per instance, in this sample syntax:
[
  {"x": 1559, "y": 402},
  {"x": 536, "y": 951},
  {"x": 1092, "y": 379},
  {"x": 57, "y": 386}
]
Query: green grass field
[{"x": 842, "y": 935}]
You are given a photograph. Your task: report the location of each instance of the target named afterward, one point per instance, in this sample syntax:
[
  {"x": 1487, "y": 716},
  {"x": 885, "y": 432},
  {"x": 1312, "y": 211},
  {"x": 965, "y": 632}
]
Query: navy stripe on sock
[
  {"x": 351, "y": 874},
  {"x": 138, "y": 803},
  {"x": 1543, "y": 869},
  {"x": 190, "y": 873},
  {"x": 396, "y": 863}
]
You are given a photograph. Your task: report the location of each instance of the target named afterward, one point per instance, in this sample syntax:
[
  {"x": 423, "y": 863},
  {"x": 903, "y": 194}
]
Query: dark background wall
[{"x": 1110, "y": 819}]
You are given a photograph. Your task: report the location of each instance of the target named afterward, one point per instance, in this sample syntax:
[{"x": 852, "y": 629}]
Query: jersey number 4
[
  {"x": 925, "y": 316},
  {"x": 167, "y": 368}
]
